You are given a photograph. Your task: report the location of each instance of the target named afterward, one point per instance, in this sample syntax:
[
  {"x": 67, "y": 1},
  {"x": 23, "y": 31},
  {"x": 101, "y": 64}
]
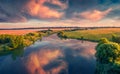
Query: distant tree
[
  {"x": 82, "y": 39},
  {"x": 62, "y": 35}
]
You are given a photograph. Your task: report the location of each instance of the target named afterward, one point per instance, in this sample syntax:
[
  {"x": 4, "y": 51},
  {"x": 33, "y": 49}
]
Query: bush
[
  {"x": 108, "y": 52},
  {"x": 16, "y": 42},
  {"x": 107, "y": 57},
  {"x": 4, "y": 38},
  {"x": 102, "y": 41},
  {"x": 115, "y": 38}
]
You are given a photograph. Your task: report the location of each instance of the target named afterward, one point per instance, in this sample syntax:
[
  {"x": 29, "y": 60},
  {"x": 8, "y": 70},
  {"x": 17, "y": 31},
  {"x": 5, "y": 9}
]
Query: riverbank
[
  {"x": 93, "y": 35},
  {"x": 11, "y": 42}
]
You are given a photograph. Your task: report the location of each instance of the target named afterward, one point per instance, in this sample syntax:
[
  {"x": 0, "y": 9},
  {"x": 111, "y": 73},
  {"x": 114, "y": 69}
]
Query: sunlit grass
[{"x": 93, "y": 34}]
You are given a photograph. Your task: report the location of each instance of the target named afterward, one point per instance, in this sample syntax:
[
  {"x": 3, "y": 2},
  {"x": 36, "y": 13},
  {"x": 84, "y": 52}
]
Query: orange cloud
[
  {"x": 38, "y": 9},
  {"x": 95, "y": 15}
]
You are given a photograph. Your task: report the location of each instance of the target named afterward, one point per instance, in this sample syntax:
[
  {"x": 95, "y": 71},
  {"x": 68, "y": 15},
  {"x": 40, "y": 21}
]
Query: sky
[{"x": 44, "y": 13}]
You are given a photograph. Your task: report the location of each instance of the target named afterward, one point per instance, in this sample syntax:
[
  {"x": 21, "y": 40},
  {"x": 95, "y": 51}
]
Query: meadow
[{"x": 92, "y": 34}]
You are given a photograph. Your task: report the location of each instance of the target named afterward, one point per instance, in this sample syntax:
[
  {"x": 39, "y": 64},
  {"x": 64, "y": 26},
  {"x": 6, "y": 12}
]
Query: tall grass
[{"x": 93, "y": 34}]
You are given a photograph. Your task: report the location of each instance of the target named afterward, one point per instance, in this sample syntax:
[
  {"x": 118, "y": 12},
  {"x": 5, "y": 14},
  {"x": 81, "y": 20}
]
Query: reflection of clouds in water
[
  {"x": 34, "y": 66},
  {"x": 42, "y": 62},
  {"x": 55, "y": 56},
  {"x": 87, "y": 54},
  {"x": 79, "y": 64},
  {"x": 61, "y": 60},
  {"x": 38, "y": 43},
  {"x": 55, "y": 67},
  {"x": 64, "y": 56}
]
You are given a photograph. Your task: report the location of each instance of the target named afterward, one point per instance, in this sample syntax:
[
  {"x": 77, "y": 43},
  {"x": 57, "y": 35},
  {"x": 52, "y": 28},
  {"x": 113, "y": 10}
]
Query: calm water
[{"x": 51, "y": 56}]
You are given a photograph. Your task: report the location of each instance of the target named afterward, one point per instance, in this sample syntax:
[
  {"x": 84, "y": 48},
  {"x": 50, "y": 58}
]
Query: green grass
[{"x": 92, "y": 35}]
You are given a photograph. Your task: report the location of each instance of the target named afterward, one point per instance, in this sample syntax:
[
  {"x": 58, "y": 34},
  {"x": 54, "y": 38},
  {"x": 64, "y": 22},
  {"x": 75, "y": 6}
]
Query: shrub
[
  {"x": 107, "y": 57},
  {"x": 115, "y": 38}
]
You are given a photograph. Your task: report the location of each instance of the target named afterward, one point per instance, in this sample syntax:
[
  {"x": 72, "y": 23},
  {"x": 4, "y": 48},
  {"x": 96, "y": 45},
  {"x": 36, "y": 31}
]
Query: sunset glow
[{"x": 38, "y": 13}]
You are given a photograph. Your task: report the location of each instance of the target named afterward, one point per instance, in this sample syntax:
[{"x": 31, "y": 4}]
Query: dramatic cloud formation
[
  {"x": 36, "y": 8},
  {"x": 46, "y": 10},
  {"x": 21, "y": 11},
  {"x": 94, "y": 15}
]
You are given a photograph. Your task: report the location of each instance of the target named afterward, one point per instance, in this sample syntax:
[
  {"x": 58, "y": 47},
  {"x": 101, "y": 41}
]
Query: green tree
[
  {"x": 107, "y": 57},
  {"x": 102, "y": 41},
  {"x": 62, "y": 35}
]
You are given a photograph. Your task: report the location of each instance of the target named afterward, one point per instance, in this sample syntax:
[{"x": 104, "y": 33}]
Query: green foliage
[
  {"x": 31, "y": 34},
  {"x": 16, "y": 41},
  {"x": 11, "y": 41},
  {"x": 62, "y": 35},
  {"x": 102, "y": 41},
  {"x": 107, "y": 57},
  {"x": 115, "y": 38},
  {"x": 4, "y": 38},
  {"x": 107, "y": 52},
  {"x": 82, "y": 38}
]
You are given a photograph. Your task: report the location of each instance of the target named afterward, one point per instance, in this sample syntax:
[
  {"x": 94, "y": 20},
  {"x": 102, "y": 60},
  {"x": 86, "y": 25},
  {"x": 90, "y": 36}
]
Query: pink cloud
[
  {"x": 94, "y": 15},
  {"x": 38, "y": 9}
]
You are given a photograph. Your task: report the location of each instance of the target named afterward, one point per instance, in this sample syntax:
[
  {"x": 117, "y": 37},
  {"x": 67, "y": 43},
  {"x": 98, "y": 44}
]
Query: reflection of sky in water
[{"x": 52, "y": 56}]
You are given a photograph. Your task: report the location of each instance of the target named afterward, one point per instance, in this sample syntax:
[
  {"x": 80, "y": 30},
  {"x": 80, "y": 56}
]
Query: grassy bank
[
  {"x": 10, "y": 44},
  {"x": 92, "y": 34}
]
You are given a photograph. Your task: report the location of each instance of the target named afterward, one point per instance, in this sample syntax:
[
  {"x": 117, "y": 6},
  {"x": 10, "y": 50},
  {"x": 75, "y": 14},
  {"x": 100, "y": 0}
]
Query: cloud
[
  {"x": 24, "y": 10},
  {"x": 21, "y": 11},
  {"x": 93, "y": 15},
  {"x": 16, "y": 18},
  {"x": 10, "y": 11},
  {"x": 63, "y": 4},
  {"x": 36, "y": 8}
]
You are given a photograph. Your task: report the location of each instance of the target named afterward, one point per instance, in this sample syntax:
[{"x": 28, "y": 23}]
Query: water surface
[{"x": 52, "y": 56}]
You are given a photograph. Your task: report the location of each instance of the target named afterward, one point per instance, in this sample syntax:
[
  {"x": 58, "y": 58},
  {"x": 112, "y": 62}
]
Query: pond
[{"x": 52, "y": 56}]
